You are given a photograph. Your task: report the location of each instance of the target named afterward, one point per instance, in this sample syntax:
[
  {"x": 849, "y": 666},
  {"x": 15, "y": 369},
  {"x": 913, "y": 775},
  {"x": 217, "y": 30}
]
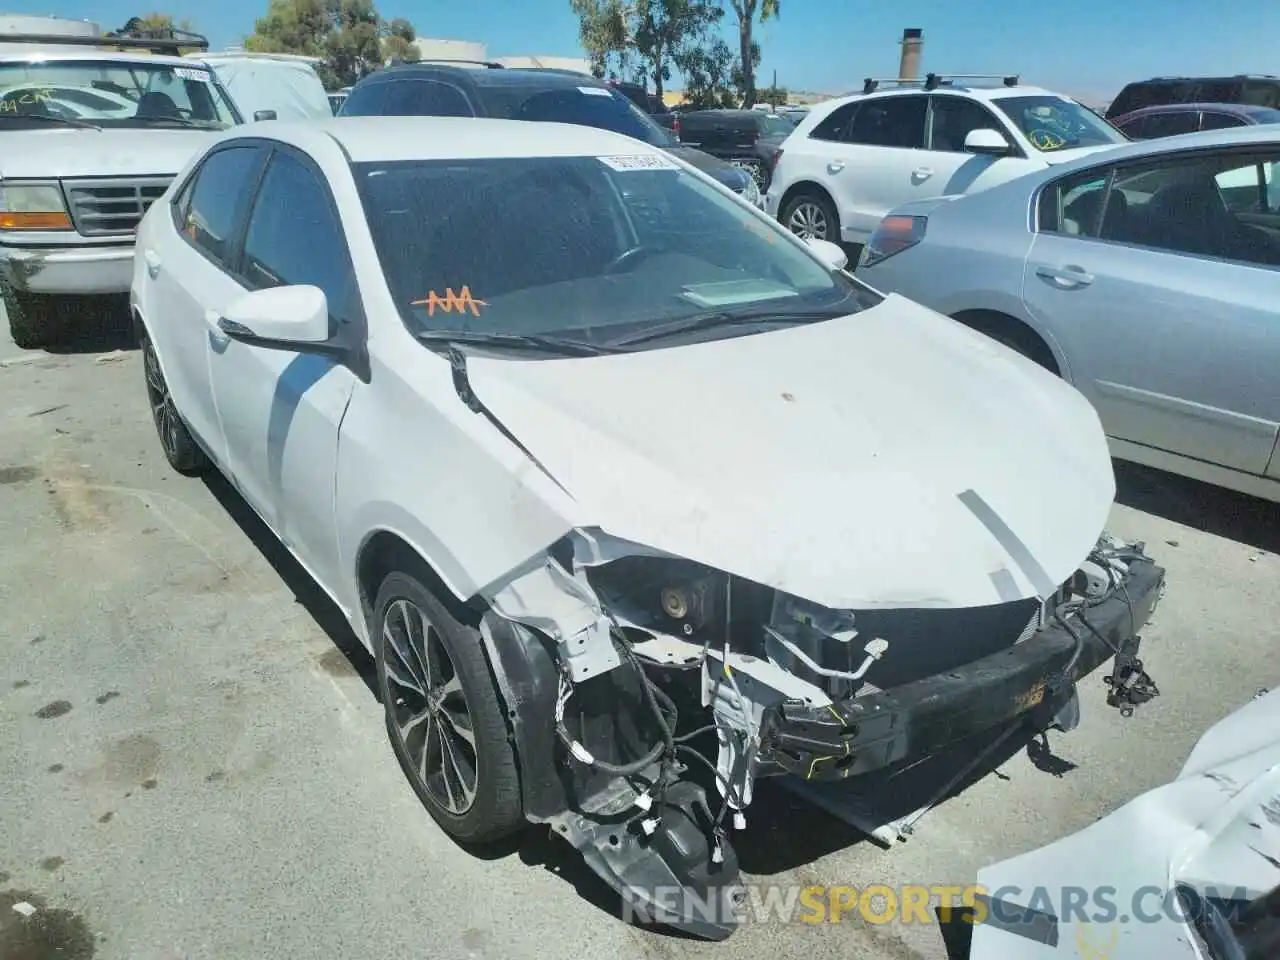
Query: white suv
[{"x": 853, "y": 159}]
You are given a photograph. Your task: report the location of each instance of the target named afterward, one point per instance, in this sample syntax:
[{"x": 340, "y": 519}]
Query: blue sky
[{"x": 1089, "y": 48}]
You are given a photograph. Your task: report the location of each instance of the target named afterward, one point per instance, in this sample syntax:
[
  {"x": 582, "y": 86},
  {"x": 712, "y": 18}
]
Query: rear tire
[
  {"x": 811, "y": 215},
  {"x": 444, "y": 714}
]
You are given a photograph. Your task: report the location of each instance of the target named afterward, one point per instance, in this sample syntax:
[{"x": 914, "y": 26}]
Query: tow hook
[{"x": 1130, "y": 684}]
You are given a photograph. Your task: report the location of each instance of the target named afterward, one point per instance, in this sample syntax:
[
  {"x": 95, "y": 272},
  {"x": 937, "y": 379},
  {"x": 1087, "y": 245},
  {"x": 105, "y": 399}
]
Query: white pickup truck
[{"x": 92, "y": 130}]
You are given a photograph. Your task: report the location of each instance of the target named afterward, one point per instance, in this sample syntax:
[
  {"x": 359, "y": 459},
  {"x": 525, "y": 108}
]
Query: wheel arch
[
  {"x": 1039, "y": 347},
  {"x": 806, "y": 186},
  {"x": 384, "y": 551}
]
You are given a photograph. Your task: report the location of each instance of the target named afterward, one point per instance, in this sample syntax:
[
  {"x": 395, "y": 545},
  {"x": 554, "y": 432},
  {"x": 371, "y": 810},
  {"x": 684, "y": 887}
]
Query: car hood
[
  {"x": 80, "y": 152},
  {"x": 891, "y": 458},
  {"x": 725, "y": 173},
  {"x": 1214, "y": 828},
  {"x": 1055, "y": 157}
]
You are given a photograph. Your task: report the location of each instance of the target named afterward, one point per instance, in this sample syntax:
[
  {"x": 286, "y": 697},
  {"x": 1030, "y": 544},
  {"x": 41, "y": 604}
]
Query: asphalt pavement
[{"x": 193, "y": 764}]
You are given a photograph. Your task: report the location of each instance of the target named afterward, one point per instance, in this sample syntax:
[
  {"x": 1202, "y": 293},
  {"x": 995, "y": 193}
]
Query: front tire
[
  {"x": 444, "y": 714},
  {"x": 811, "y": 216},
  {"x": 180, "y": 448},
  {"x": 34, "y": 321}
]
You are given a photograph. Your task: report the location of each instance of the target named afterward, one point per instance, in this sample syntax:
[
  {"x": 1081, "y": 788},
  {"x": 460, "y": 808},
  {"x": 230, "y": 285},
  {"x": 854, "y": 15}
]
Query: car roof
[
  {"x": 391, "y": 139},
  {"x": 975, "y": 93},
  {"x": 489, "y": 76},
  {"x": 1235, "y": 109},
  {"x": 56, "y": 53},
  {"x": 1214, "y": 77}
]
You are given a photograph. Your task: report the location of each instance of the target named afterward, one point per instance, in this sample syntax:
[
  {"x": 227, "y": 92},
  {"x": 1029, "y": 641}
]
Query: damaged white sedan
[{"x": 599, "y": 461}]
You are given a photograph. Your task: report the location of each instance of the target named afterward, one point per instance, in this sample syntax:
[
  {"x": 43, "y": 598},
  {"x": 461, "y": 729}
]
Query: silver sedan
[{"x": 1148, "y": 276}]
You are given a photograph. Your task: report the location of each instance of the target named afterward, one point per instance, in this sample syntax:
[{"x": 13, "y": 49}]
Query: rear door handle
[
  {"x": 153, "y": 262},
  {"x": 922, "y": 173},
  {"x": 835, "y": 166},
  {"x": 1068, "y": 277}
]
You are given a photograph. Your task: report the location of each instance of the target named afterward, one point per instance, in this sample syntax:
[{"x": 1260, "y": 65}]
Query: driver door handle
[
  {"x": 835, "y": 166},
  {"x": 216, "y": 334},
  {"x": 922, "y": 173},
  {"x": 152, "y": 260},
  {"x": 1067, "y": 278}
]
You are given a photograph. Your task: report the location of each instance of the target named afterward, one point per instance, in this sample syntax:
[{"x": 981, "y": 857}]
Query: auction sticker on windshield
[
  {"x": 184, "y": 73},
  {"x": 639, "y": 161},
  {"x": 595, "y": 91}
]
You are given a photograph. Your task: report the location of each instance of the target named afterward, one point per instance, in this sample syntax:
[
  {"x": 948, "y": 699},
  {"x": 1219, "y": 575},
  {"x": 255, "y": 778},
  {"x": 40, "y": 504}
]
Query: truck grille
[{"x": 112, "y": 206}]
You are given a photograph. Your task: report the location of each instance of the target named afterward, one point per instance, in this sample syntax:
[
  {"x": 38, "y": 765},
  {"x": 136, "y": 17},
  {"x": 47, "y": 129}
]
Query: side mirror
[
  {"x": 831, "y": 253},
  {"x": 264, "y": 115},
  {"x": 285, "y": 317},
  {"x": 990, "y": 143}
]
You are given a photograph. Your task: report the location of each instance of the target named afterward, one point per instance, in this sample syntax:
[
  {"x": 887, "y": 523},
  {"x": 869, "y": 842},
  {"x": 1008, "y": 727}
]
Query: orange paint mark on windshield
[{"x": 460, "y": 301}]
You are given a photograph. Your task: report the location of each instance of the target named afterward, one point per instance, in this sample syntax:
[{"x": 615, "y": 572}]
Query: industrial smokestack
[{"x": 912, "y": 47}]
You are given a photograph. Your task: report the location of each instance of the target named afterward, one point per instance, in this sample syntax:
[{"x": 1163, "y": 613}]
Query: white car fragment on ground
[
  {"x": 1187, "y": 870},
  {"x": 583, "y": 444}
]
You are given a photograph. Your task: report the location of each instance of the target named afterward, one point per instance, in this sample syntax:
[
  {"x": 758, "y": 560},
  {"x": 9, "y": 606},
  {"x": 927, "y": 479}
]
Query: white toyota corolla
[{"x": 590, "y": 453}]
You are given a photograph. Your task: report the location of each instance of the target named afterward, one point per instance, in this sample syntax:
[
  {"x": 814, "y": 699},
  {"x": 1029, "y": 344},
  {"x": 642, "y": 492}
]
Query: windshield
[
  {"x": 114, "y": 93},
  {"x": 586, "y": 106},
  {"x": 1055, "y": 123},
  {"x": 776, "y": 126},
  {"x": 603, "y": 250},
  {"x": 1232, "y": 928}
]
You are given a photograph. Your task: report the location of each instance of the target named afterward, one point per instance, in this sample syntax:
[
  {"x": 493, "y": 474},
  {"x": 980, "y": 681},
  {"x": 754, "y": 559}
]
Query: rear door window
[
  {"x": 1169, "y": 124},
  {"x": 1212, "y": 120},
  {"x": 836, "y": 125},
  {"x": 895, "y": 121},
  {"x": 425, "y": 98}
]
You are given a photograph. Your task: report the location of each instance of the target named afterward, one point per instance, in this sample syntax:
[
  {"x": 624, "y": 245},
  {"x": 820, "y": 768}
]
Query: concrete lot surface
[{"x": 192, "y": 765}]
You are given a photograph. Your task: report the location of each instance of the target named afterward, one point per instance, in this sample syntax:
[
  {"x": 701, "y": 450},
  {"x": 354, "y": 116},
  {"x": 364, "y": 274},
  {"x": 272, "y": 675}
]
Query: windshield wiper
[
  {"x": 48, "y": 118},
  {"x": 179, "y": 121},
  {"x": 535, "y": 342},
  {"x": 725, "y": 318}
]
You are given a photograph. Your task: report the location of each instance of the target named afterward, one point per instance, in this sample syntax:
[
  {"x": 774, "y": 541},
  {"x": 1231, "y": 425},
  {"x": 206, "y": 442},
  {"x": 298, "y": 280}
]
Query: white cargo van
[
  {"x": 271, "y": 86},
  {"x": 93, "y": 127}
]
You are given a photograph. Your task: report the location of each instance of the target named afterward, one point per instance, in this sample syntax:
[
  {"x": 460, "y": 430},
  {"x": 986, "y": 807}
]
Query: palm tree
[{"x": 747, "y": 10}]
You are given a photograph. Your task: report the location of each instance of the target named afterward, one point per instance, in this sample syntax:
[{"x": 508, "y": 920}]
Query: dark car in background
[
  {"x": 1167, "y": 121},
  {"x": 746, "y": 138},
  {"x": 650, "y": 103},
  {"x": 549, "y": 96},
  {"x": 1254, "y": 90}
]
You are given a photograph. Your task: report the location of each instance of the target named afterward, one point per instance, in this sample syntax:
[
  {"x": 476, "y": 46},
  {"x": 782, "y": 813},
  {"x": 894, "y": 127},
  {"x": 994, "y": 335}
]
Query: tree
[
  {"x": 345, "y": 34},
  {"x": 748, "y": 49},
  {"x": 398, "y": 41},
  {"x": 604, "y": 32},
  {"x": 708, "y": 71},
  {"x": 771, "y": 95},
  {"x": 644, "y": 39}
]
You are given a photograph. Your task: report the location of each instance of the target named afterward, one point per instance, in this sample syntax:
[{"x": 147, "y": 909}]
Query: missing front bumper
[{"x": 862, "y": 734}]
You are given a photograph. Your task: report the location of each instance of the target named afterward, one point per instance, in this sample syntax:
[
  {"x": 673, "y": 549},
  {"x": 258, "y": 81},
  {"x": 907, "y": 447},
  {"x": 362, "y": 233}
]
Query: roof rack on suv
[
  {"x": 932, "y": 81},
  {"x": 132, "y": 36}
]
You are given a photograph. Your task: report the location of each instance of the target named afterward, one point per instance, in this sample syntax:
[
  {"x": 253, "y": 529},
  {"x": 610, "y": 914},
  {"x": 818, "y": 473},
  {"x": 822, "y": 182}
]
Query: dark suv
[
  {"x": 556, "y": 96},
  {"x": 749, "y": 139},
  {"x": 1254, "y": 91}
]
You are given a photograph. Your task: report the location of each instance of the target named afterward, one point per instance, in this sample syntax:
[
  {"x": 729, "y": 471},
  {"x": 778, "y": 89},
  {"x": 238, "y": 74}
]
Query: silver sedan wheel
[
  {"x": 808, "y": 221},
  {"x": 429, "y": 708}
]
